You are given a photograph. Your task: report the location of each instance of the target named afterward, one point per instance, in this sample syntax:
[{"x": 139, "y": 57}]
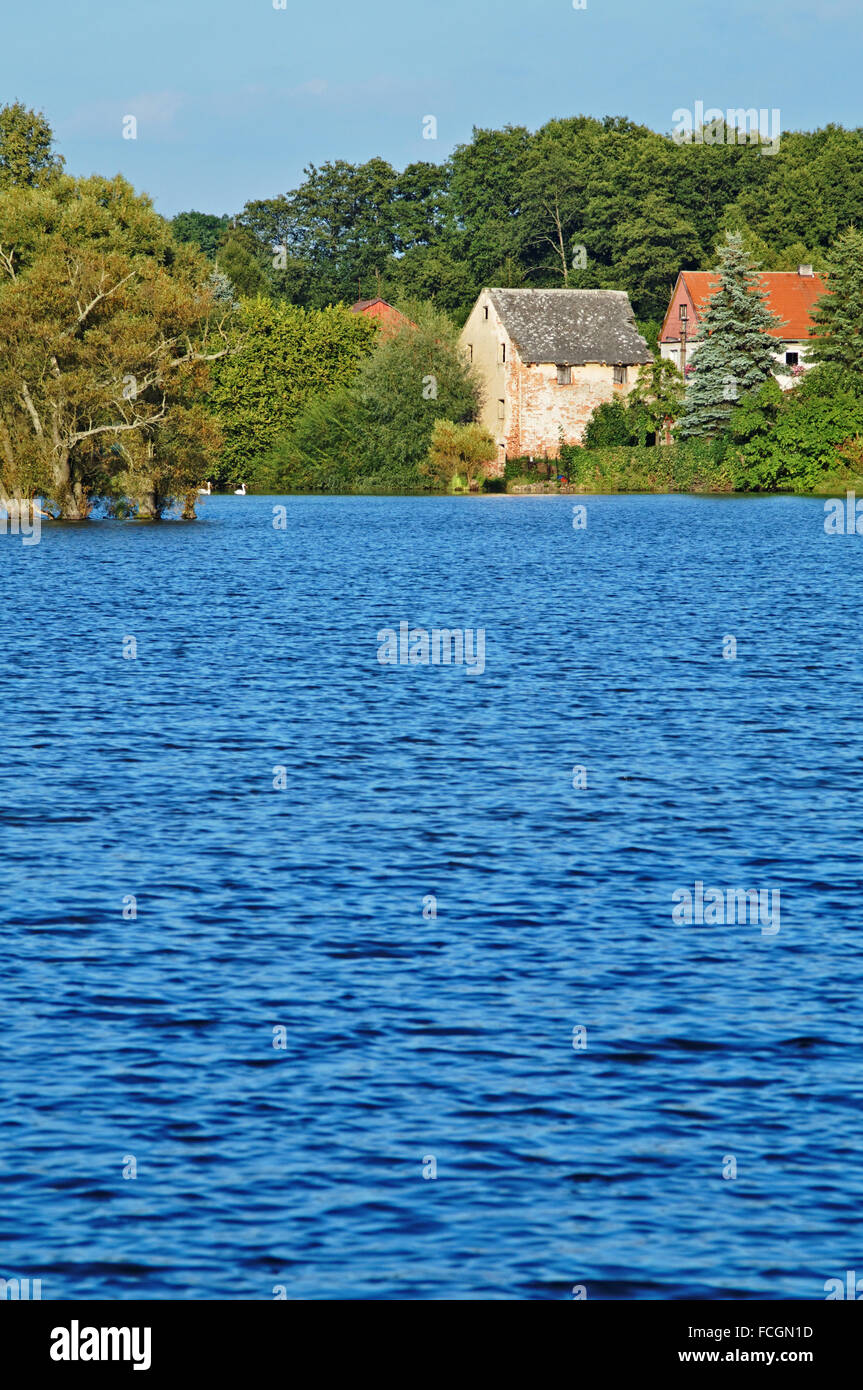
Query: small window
[
  {"x": 485, "y": 310},
  {"x": 620, "y": 375},
  {"x": 792, "y": 359},
  {"x": 564, "y": 375},
  {"x": 470, "y": 352},
  {"x": 501, "y": 357},
  {"x": 684, "y": 311},
  {"x": 500, "y": 410}
]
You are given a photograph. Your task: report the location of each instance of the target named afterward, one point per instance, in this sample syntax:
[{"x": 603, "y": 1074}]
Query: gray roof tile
[{"x": 571, "y": 327}]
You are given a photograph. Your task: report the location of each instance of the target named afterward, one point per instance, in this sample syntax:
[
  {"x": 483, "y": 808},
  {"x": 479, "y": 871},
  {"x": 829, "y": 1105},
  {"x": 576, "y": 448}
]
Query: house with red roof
[
  {"x": 388, "y": 319},
  {"x": 790, "y": 294}
]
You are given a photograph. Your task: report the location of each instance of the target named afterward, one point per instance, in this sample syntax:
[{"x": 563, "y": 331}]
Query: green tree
[
  {"x": 459, "y": 451},
  {"x": 415, "y": 377},
  {"x": 376, "y": 433},
  {"x": 339, "y": 222},
  {"x": 243, "y": 259},
  {"x": 650, "y": 247},
  {"x": 485, "y": 193},
  {"x": 108, "y": 330},
  {"x": 432, "y": 273},
  {"x": 27, "y": 159},
  {"x": 610, "y": 426},
  {"x": 285, "y": 355},
  {"x": 839, "y": 314},
  {"x": 553, "y": 191},
  {"x": 203, "y": 229},
  {"x": 794, "y": 440},
  {"x": 655, "y": 400},
  {"x": 733, "y": 352}
]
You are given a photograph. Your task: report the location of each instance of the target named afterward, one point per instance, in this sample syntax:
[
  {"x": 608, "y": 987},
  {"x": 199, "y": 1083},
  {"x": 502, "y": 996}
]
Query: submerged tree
[
  {"x": 734, "y": 351},
  {"x": 107, "y": 328}
]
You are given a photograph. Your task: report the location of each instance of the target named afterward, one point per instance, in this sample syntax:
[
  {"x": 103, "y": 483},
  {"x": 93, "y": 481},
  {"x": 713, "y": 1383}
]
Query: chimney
[{"x": 805, "y": 270}]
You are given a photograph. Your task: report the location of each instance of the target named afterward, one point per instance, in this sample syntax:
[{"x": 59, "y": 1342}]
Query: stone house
[
  {"x": 789, "y": 294},
  {"x": 547, "y": 359}
]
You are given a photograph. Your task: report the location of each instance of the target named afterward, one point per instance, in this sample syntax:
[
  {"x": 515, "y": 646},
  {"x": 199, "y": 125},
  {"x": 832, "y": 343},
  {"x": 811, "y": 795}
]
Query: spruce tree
[
  {"x": 839, "y": 315},
  {"x": 733, "y": 352}
]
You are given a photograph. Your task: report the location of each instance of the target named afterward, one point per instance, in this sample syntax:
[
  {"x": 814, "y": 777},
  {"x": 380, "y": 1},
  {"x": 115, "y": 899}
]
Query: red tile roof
[{"x": 789, "y": 295}]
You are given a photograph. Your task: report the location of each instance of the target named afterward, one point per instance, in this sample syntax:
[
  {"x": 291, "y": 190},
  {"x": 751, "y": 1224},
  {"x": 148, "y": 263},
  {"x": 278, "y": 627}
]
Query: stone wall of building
[
  {"x": 524, "y": 409},
  {"x": 543, "y": 414}
]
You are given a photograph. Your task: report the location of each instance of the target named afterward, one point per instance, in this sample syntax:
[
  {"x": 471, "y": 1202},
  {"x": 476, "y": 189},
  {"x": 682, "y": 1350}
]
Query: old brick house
[
  {"x": 388, "y": 319},
  {"x": 546, "y": 359},
  {"x": 789, "y": 294}
]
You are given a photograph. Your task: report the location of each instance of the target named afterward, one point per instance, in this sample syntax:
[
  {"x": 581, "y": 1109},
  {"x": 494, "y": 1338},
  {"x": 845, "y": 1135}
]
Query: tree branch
[
  {"x": 103, "y": 294},
  {"x": 30, "y": 407},
  {"x": 136, "y": 424}
]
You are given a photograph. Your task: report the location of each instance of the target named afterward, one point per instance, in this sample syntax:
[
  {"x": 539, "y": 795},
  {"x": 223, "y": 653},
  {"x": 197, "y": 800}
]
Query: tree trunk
[
  {"x": 148, "y": 506},
  {"x": 69, "y": 494}
]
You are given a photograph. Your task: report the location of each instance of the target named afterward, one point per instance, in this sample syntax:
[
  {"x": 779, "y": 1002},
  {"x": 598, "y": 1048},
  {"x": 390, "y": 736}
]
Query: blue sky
[{"x": 234, "y": 97}]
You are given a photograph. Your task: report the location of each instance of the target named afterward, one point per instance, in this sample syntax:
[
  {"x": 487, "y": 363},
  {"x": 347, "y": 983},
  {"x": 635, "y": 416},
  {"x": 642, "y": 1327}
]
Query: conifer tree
[
  {"x": 733, "y": 352},
  {"x": 839, "y": 314}
]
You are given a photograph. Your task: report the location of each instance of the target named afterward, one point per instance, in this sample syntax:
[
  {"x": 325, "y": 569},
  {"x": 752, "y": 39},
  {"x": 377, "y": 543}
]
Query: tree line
[
  {"x": 581, "y": 202},
  {"x": 140, "y": 357}
]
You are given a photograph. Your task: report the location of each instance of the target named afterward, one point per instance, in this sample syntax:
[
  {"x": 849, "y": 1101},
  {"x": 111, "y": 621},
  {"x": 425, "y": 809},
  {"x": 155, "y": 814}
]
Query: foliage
[
  {"x": 108, "y": 329},
  {"x": 839, "y": 314},
  {"x": 511, "y": 207},
  {"x": 243, "y": 262},
  {"x": 652, "y": 404},
  {"x": 285, "y": 356},
  {"x": 203, "y": 229},
  {"x": 376, "y": 434},
  {"x": 656, "y": 398},
  {"x": 27, "y": 159},
  {"x": 679, "y": 467},
  {"x": 792, "y": 441},
  {"x": 459, "y": 452},
  {"x": 610, "y": 425},
  {"x": 733, "y": 352}
]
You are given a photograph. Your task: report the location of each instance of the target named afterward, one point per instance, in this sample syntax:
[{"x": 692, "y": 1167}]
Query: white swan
[
  {"x": 205, "y": 491},
  {"x": 240, "y": 491}
]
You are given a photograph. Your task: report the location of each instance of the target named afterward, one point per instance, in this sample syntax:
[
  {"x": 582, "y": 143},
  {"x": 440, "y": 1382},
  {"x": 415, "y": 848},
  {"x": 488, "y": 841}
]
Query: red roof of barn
[{"x": 789, "y": 295}]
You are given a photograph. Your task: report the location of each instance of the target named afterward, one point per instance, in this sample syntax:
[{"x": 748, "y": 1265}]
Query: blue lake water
[{"x": 409, "y": 1036}]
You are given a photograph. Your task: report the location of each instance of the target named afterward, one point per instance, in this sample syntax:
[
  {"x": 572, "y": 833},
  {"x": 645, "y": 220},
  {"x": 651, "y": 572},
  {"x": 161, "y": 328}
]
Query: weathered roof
[{"x": 571, "y": 327}]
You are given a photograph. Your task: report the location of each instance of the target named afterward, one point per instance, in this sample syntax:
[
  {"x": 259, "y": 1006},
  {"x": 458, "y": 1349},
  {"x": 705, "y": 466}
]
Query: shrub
[{"x": 459, "y": 451}]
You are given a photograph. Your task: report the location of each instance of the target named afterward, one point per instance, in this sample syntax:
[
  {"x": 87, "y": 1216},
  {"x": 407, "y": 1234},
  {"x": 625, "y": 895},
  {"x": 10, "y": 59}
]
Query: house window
[
  {"x": 683, "y": 311},
  {"x": 502, "y": 353},
  {"x": 564, "y": 375},
  {"x": 620, "y": 375},
  {"x": 485, "y": 310},
  {"x": 500, "y": 410},
  {"x": 792, "y": 359},
  {"x": 470, "y": 352}
]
